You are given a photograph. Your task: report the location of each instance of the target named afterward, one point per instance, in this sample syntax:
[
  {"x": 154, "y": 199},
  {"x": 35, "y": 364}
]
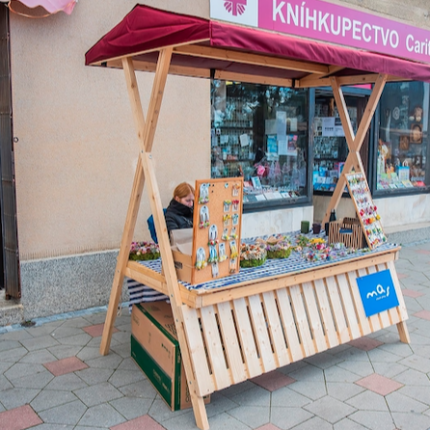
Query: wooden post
[
  {"x": 146, "y": 132},
  {"x": 353, "y": 160}
]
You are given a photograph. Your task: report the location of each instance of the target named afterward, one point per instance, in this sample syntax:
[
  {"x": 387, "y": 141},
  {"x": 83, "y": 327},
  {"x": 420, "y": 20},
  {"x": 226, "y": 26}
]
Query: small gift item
[
  {"x": 225, "y": 235},
  {"x": 278, "y": 247},
  {"x": 204, "y": 217},
  {"x": 305, "y": 227},
  {"x": 222, "y": 254},
  {"x": 201, "y": 259},
  {"x": 233, "y": 262},
  {"x": 233, "y": 249},
  {"x": 213, "y": 233},
  {"x": 213, "y": 254},
  {"x": 227, "y": 205},
  {"x": 226, "y": 219},
  {"x": 235, "y": 190},
  {"x": 252, "y": 255},
  {"x": 141, "y": 251},
  {"x": 233, "y": 234},
  {"x": 235, "y": 219},
  {"x": 235, "y": 205},
  {"x": 215, "y": 270},
  {"x": 204, "y": 194}
]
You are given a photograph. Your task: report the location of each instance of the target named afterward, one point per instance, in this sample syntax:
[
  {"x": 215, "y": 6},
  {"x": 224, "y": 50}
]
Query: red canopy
[{"x": 203, "y": 47}]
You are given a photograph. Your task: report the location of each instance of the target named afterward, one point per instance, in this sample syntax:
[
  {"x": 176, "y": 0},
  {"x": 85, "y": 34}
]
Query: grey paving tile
[
  {"x": 88, "y": 353},
  {"x": 16, "y": 397},
  {"x": 78, "y": 322},
  {"x": 121, "y": 337},
  {"x": 389, "y": 370},
  {"x": 323, "y": 360},
  {"x": 38, "y": 357},
  {"x": 39, "y": 380},
  {"x": 69, "y": 413},
  {"x": 413, "y": 377},
  {"x": 253, "y": 416},
  {"x": 111, "y": 361},
  {"x": 308, "y": 373},
  {"x": 6, "y": 345},
  {"x": 314, "y": 423},
  {"x": 237, "y": 388},
  {"x": 398, "y": 402},
  {"x": 369, "y": 401},
  {"x": 4, "y": 366},
  {"x": 64, "y": 351},
  {"x": 44, "y": 329},
  {"x": 313, "y": 390},
  {"x": 97, "y": 394},
  {"x": 128, "y": 364},
  {"x": 13, "y": 355},
  {"x": 4, "y": 383},
  {"x": 81, "y": 339},
  {"x": 288, "y": 398},
  {"x": 70, "y": 380},
  {"x": 353, "y": 354},
  {"x": 329, "y": 409},
  {"x": 102, "y": 415},
  {"x": 411, "y": 421},
  {"x": 19, "y": 370},
  {"x": 361, "y": 368},
  {"x": 65, "y": 331},
  {"x": 48, "y": 399},
  {"x": 93, "y": 376},
  {"x": 95, "y": 342},
  {"x": 339, "y": 374},
  {"x": 218, "y": 404},
  {"x": 123, "y": 349},
  {"x": 417, "y": 392},
  {"x": 287, "y": 418},
  {"x": 139, "y": 389},
  {"x": 374, "y": 420},
  {"x": 343, "y": 390},
  {"x": 132, "y": 407},
  {"x": 160, "y": 412},
  {"x": 53, "y": 427},
  {"x": 378, "y": 354},
  {"x": 16, "y": 335},
  {"x": 255, "y": 396},
  {"x": 416, "y": 362},
  {"x": 125, "y": 377},
  {"x": 347, "y": 424},
  {"x": 40, "y": 342},
  {"x": 219, "y": 422}
]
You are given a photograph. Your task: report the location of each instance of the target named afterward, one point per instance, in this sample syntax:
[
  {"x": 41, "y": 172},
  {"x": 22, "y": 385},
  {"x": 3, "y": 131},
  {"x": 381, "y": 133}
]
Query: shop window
[
  {"x": 329, "y": 142},
  {"x": 260, "y": 132},
  {"x": 401, "y": 161}
]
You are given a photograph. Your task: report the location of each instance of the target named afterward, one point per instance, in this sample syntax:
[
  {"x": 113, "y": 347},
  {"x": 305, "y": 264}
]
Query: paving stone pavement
[{"x": 52, "y": 376}]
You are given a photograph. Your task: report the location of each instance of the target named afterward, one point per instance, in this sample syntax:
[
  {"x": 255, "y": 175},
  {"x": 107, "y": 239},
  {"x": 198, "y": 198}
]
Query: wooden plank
[
  {"x": 350, "y": 312},
  {"x": 226, "y": 75},
  {"x": 214, "y": 347},
  {"x": 204, "y": 381},
  {"x": 248, "y": 58},
  {"x": 260, "y": 332},
  {"x": 374, "y": 320},
  {"x": 272, "y": 283},
  {"x": 246, "y": 337},
  {"x": 289, "y": 325},
  {"x": 302, "y": 321},
  {"x": 336, "y": 305},
  {"x": 231, "y": 343},
  {"x": 384, "y": 318},
  {"x": 363, "y": 321},
  {"x": 275, "y": 328},
  {"x": 346, "y": 80},
  {"x": 393, "y": 312},
  {"x": 314, "y": 317},
  {"x": 326, "y": 313},
  {"x": 311, "y": 77}
]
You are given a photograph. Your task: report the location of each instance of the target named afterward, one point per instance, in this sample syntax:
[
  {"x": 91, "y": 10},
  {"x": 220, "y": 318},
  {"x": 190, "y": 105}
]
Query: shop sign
[
  {"x": 328, "y": 22},
  {"x": 377, "y": 292}
]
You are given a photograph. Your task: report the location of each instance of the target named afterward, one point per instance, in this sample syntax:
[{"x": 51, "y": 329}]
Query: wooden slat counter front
[{"x": 243, "y": 330}]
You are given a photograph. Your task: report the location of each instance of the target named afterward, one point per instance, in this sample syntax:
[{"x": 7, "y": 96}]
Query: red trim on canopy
[{"x": 148, "y": 29}]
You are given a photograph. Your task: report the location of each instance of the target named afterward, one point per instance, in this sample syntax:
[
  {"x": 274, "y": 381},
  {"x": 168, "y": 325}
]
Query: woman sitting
[{"x": 179, "y": 213}]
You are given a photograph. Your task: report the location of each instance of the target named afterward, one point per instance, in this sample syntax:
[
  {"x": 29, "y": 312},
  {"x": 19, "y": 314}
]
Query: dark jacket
[{"x": 178, "y": 216}]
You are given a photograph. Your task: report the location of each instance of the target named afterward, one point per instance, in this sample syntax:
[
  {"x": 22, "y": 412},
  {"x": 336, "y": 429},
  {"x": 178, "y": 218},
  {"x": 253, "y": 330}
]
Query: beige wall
[{"x": 77, "y": 150}]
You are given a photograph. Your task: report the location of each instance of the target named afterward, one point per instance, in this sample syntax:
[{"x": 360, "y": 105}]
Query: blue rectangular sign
[{"x": 377, "y": 292}]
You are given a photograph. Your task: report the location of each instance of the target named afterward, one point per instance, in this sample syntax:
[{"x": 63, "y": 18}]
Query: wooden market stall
[{"x": 251, "y": 326}]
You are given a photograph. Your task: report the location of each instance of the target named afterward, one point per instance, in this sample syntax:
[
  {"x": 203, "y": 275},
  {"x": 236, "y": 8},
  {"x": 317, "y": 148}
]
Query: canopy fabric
[
  {"x": 203, "y": 46},
  {"x": 41, "y": 8}
]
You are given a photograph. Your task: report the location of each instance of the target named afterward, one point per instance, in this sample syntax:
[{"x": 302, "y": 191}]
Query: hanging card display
[{"x": 367, "y": 212}]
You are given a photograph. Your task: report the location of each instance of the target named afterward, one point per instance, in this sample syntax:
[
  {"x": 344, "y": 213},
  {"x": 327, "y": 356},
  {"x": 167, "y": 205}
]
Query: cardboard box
[{"x": 155, "y": 349}]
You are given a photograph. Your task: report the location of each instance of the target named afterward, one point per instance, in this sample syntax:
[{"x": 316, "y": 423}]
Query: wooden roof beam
[
  {"x": 370, "y": 78},
  {"x": 312, "y": 76},
  {"x": 248, "y": 58}
]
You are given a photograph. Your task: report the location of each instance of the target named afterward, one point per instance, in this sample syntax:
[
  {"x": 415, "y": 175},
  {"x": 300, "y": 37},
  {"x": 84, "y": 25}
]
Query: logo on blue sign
[{"x": 377, "y": 292}]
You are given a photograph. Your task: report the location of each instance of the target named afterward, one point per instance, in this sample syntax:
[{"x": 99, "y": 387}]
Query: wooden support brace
[{"x": 353, "y": 159}]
